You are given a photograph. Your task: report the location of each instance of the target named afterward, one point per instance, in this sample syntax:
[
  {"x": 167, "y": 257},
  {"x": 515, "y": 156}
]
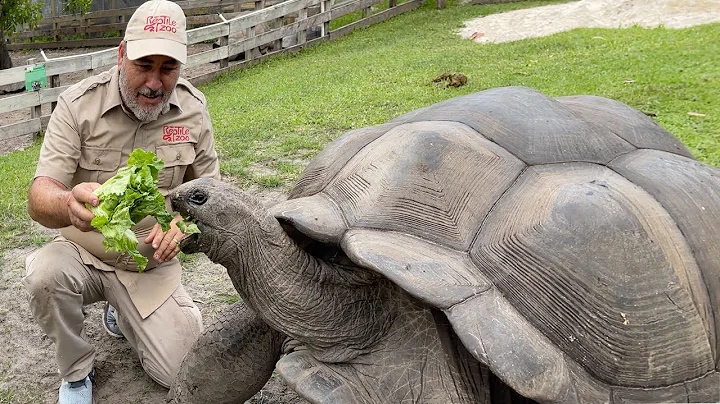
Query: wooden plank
[
  {"x": 12, "y": 75},
  {"x": 20, "y": 129},
  {"x": 208, "y": 33},
  {"x": 54, "y": 82},
  {"x": 350, "y": 7},
  {"x": 207, "y": 77},
  {"x": 30, "y": 99},
  {"x": 48, "y": 95},
  {"x": 188, "y": 4},
  {"x": 208, "y": 56},
  {"x": 44, "y": 121},
  {"x": 91, "y": 15},
  {"x": 240, "y": 24},
  {"x": 70, "y": 30},
  {"x": 278, "y": 33},
  {"x": 103, "y": 58},
  {"x": 203, "y": 19},
  {"x": 223, "y": 42},
  {"x": 20, "y": 101},
  {"x": 381, "y": 16},
  {"x": 81, "y": 43},
  {"x": 68, "y": 65}
]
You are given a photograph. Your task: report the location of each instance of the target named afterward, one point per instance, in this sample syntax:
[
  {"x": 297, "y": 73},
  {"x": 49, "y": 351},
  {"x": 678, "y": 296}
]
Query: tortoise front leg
[{"x": 231, "y": 360}]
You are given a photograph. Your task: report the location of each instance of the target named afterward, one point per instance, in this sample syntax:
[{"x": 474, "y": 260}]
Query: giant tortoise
[{"x": 568, "y": 247}]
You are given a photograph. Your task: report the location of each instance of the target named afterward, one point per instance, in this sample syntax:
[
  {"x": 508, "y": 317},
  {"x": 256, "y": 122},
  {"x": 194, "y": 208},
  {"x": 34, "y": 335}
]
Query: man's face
[{"x": 147, "y": 83}]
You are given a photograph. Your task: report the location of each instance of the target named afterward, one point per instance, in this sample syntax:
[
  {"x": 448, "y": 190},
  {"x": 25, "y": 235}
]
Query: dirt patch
[{"x": 548, "y": 20}]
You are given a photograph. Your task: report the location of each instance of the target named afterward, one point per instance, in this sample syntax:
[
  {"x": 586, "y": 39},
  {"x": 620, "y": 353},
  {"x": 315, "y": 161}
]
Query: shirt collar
[{"x": 113, "y": 98}]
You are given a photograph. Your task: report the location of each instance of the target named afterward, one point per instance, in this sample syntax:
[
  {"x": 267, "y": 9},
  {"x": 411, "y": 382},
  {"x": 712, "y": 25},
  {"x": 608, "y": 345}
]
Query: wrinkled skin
[{"x": 363, "y": 339}]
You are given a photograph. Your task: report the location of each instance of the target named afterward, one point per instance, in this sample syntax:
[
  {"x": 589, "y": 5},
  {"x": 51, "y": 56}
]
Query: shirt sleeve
[
  {"x": 206, "y": 164},
  {"x": 60, "y": 151}
]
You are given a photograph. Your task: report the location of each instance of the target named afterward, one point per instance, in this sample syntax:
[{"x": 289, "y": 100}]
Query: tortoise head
[{"x": 221, "y": 210}]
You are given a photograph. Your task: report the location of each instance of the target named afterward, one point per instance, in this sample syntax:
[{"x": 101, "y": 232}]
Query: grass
[
  {"x": 270, "y": 119},
  {"x": 17, "y": 173},
  {"x": 8, "y": 396}
]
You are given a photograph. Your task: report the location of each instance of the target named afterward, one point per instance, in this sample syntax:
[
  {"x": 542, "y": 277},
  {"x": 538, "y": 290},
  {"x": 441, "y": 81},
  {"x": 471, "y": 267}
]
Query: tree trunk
[{"x": 5, "y": 61}]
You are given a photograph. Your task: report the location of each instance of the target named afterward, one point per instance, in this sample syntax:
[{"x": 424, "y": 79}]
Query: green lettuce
[{"x": 127, "y": 198}]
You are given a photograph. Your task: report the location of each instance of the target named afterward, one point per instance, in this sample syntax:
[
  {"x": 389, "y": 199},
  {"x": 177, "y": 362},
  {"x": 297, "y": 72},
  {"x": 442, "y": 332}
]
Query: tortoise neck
[{"x": 306, "y": 298}]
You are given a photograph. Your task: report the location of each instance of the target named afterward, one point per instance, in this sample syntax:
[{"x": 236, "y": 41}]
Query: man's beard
[{"x": 131, "y": 100}]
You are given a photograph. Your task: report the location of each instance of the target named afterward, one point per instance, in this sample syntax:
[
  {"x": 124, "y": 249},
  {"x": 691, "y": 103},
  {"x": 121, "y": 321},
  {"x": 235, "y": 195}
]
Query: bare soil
[
  {"x": 27, "y": 363},
  {"x": 548, "y": 20}
]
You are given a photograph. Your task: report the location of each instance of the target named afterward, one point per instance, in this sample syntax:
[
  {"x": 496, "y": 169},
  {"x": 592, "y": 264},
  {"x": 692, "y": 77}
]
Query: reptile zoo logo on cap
[
  {"x": 160, "y": 23},
  {"x": 174, "y": 134}
]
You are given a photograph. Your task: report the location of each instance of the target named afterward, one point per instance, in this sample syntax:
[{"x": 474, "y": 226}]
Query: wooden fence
[
  {"x": 107, "y": 27},
  {"x": 237, "y": 38}
]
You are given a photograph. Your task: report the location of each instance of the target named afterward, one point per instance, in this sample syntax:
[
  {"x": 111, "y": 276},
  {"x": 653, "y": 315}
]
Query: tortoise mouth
[{"x": 189, "y": 244}]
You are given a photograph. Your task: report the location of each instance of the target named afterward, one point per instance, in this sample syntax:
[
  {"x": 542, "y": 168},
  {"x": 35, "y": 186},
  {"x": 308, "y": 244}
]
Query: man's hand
[
  {"x": 52, "y": 205},
  {"x": 78, "y": 213},
  {"x": 166, "y": 244}
]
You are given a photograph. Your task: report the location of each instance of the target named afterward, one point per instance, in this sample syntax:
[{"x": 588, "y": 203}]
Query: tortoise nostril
[{"x": 198, "y": 197}]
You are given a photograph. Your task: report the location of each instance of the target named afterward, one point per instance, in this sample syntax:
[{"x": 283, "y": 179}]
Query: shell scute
[
  {"x": 628, "y": 123},
  {"x": 690, "y": 192},
  {"x": 600, "y": 268},
  {"x": 528, "y": 124},
  {"x": 435, "y": 180}
]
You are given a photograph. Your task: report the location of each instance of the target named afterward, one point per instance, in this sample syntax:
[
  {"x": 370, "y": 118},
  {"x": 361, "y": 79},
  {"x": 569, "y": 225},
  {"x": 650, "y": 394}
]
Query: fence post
[
  {"x": 54, "y": 82},
  {"x": 326, "y": 5},
  {"x": 55, "y": 25},
  {"x": 85, "y": 24},
  {"x": 302, "y": 35},
  {"x": 224, "y": 41},
  {"x": 35, "y": 110},
  {"x": 252, "y": 31}
]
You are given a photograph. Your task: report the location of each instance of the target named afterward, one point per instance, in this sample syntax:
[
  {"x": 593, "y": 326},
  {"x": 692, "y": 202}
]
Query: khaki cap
[{"x": 157, "y": 28}]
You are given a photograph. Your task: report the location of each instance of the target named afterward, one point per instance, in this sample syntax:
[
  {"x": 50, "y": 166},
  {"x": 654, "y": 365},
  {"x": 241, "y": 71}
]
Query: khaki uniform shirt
[{"x": 90, "y": 136}]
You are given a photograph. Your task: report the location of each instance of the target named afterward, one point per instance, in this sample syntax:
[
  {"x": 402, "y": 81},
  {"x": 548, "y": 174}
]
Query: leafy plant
[
  {"x": 77, "y": 6},
  {"x": 14, "y": 13},
  {"x": 128, "y": 197}
]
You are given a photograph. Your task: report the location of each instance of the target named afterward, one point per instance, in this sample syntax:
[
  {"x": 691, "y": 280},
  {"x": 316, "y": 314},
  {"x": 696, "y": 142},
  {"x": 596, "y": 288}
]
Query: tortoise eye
[{"x": 198, "y": 197}]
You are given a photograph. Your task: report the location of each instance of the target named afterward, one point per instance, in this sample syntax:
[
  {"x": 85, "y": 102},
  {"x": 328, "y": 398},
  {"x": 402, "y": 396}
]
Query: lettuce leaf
[{"x": 127, "y": 198}]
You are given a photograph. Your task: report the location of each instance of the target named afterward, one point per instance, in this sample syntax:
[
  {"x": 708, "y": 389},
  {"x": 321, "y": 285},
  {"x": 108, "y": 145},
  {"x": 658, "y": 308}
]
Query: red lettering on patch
[
  {"x": 174, "y": 134},
  {"x": 160, "y": 23}
]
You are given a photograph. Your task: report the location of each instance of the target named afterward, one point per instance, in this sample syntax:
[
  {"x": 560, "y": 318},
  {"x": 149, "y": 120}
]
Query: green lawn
[{"x": 270, "y": 119}]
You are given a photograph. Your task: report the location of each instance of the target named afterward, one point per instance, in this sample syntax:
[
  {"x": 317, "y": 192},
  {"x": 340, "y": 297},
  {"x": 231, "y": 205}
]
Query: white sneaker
[{"x": 79, "y": 392}]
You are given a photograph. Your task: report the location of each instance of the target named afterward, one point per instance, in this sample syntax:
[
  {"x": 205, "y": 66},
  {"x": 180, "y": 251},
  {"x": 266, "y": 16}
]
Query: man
[{"x": 141, "y": 103}]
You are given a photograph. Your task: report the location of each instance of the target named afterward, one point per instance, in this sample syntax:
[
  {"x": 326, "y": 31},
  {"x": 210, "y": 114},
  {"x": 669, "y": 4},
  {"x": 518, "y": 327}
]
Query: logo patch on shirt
[
  {"x": 174, "y": 134},
  {"x": 160, "y": 23}
]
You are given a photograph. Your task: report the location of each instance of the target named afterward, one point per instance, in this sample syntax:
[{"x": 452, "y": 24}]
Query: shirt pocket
[
  {"x": 97, "y": 164},
  {"x": 176, "y": 158}
]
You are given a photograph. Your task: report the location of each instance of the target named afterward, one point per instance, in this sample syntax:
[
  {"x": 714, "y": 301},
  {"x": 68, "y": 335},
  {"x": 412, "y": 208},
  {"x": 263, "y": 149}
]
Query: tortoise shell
[{"x": 573, "y": 243}]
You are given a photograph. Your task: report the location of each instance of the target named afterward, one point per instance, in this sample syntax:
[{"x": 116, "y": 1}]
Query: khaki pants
[{"x": 59, "y": 284}]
